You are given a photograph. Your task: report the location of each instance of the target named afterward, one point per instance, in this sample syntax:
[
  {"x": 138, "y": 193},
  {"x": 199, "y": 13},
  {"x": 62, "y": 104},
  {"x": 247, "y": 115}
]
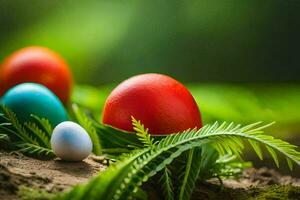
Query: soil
[
  {"x": 18, "y": 172},
  {"x": 255, "y": 184},
  {"x": 51, "y": 175}
]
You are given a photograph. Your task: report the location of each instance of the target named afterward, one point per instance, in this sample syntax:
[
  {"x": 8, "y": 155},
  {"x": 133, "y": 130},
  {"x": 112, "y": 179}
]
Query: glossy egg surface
[
  {"x": 71, "y": 142},
  {"x": 160, "y": 102},
  {"x": 31, "y": 98},
  {"x": 37, "y": 65}
]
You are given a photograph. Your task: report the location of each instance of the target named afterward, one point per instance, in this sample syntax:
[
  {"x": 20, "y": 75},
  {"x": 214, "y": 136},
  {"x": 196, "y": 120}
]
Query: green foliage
[
  {"x": 30, "y": 138},
  {"x": 44, "y": 124},
  {"x": 42, "y": 138},
  {"x": 4, "y": 138},
  {"x": 27, "y": 193},
  {"x": 246, "y": 103},
  {"x": 115, "y": 141},
  {"x": 167, "y": 184},
  {"x": 35, "y": 150},
  {"x": 106, "y": 139},
  {"x": 86, "y": 123},
  {"x": 190, "y": 173},
  {"x": 121, "y": 180},
  {"x": 228, "y": 166},
  {"x": 142, "y": 133}
]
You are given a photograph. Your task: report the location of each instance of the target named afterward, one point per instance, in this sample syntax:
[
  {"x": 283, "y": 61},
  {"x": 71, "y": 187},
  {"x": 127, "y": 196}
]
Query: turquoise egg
[{"x": 31, "y": 98}]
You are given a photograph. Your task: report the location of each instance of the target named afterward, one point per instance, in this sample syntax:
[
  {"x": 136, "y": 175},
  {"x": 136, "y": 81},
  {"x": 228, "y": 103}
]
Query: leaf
[
  {"x": 191, "y": 173},
  {"x": 167, "y": 184},
  {"x": 44, "y": 139},
  {"x": 142, "y": 133},
  {"x": 110, "y": 140},
  {"x": 4, "y": 137},
  {"x": 256, "y": 148},
  {"x": 106, "y": 184},
  {"x": 87, "y": 123},
  {"x": 45, "y": 124},
  {"x": 19, "y": 129},
  {"x": 274, "y": 155},
  {"x": 30, "y": 138},
  {"x": 209, "y": 158},
  {"x": 35, "y": 150},
  {"x": 113, "y": 139},
  {"x": 229, "y": 166},
  {"x": 290, "y": 163},
  {"x": 121, "y": 180}
]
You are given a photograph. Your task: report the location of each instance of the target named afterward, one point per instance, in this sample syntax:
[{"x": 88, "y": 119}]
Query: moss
[
  {"x": 275, "y": 192},
  {"x": 26, "y": 193},
  {"x": 272, "y": 192}
]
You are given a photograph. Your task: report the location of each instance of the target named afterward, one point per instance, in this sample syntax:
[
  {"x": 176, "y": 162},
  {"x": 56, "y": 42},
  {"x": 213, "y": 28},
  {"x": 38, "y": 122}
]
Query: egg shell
[
  {"x": 37, "y": 65},
  {"x": 31, "y": 98},
  {"x": 160, "y": 102},
  {"x": 71, "y": 142}
]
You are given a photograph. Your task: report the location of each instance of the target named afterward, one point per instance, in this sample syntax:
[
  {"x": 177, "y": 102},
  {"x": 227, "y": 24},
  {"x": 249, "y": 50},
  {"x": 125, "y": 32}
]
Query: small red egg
[
  {"x": 37, "y": 65},
  {"x": 162, "y": 104}
]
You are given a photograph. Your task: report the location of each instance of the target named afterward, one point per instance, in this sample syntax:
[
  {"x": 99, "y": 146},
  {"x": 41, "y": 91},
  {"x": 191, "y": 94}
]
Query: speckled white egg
[{"x": 69, "y": 141}]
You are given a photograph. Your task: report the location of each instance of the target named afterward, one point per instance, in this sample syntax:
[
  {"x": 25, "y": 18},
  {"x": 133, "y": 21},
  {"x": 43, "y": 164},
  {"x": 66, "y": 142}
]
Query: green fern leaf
[
  {"x": 44, "y": 124},
  {"x": 35, "y": 150},
  {"x": 4, "y": 138},
  {"x": 30, "y": 138},
  {"x": 167, "y": 184},
  {"x": 142, "y": 133},
  {"x": 274, "y": 155},
  {"x": 42, "y": 137},
  {"x": 115, "y": 141},
  {"x": 20, "y": 130},
  {"x": 229, "y": 166},
  {"x": 190, "y": 174},
  {"x": 86, "y": 123},
  {"x": 256, "y": 148},
  {"x": 123, "y": 179},
  {"x": 209, "y": 157},
  {"x": 290, "y": 163},
  {"x": 3, "y": 126},
  {"x": 105, "y": 185}
]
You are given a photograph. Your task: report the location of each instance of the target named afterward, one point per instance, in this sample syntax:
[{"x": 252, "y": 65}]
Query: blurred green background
[
  {"x": 240, "y": 59},
  {"x": 192, "y": 40}
]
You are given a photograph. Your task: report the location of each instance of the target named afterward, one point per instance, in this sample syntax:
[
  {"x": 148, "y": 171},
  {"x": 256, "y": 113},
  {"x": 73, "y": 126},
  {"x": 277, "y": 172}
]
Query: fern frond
[
  {"x": 209, "y": 156},
  {"x": 43, "y": 138},
  {"x": 120, "y": 181},
  {"x": 29, "y": 138},
  {"x": 105, "y": 184},
  {"x": 3, "y": 126},
  {"x": 190, "y": 174},
  {"x": 256, "y": 147},
  {"x": 142, "y": 133},
  {"x": 115, "y": 141},
  {"x": 167, "y": 184},
  {"x": 229, "y": 166},
  {"x": 44, "y": 124},
  {"x": 87, "y": 123},
  {"x": 172, "y": 146},
  {"x": 4, "y": 138},
  {"x": 35, "y": 150},
  {"x": 20, "y": 130}
]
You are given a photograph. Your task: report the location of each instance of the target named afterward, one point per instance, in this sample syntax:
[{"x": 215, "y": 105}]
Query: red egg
[
  {"x": 161, "y": 103},
  {"x": 37, "y": 65}
]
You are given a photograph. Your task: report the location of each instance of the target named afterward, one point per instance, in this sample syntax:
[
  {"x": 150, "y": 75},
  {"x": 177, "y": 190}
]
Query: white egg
[{"x": 69, "y": 141}]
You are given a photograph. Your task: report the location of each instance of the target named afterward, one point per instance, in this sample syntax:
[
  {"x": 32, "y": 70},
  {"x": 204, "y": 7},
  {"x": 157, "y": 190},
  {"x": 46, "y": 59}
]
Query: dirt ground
[
  {"x": 18, "y": 171},
  {"x": 52, "y": 175}
]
